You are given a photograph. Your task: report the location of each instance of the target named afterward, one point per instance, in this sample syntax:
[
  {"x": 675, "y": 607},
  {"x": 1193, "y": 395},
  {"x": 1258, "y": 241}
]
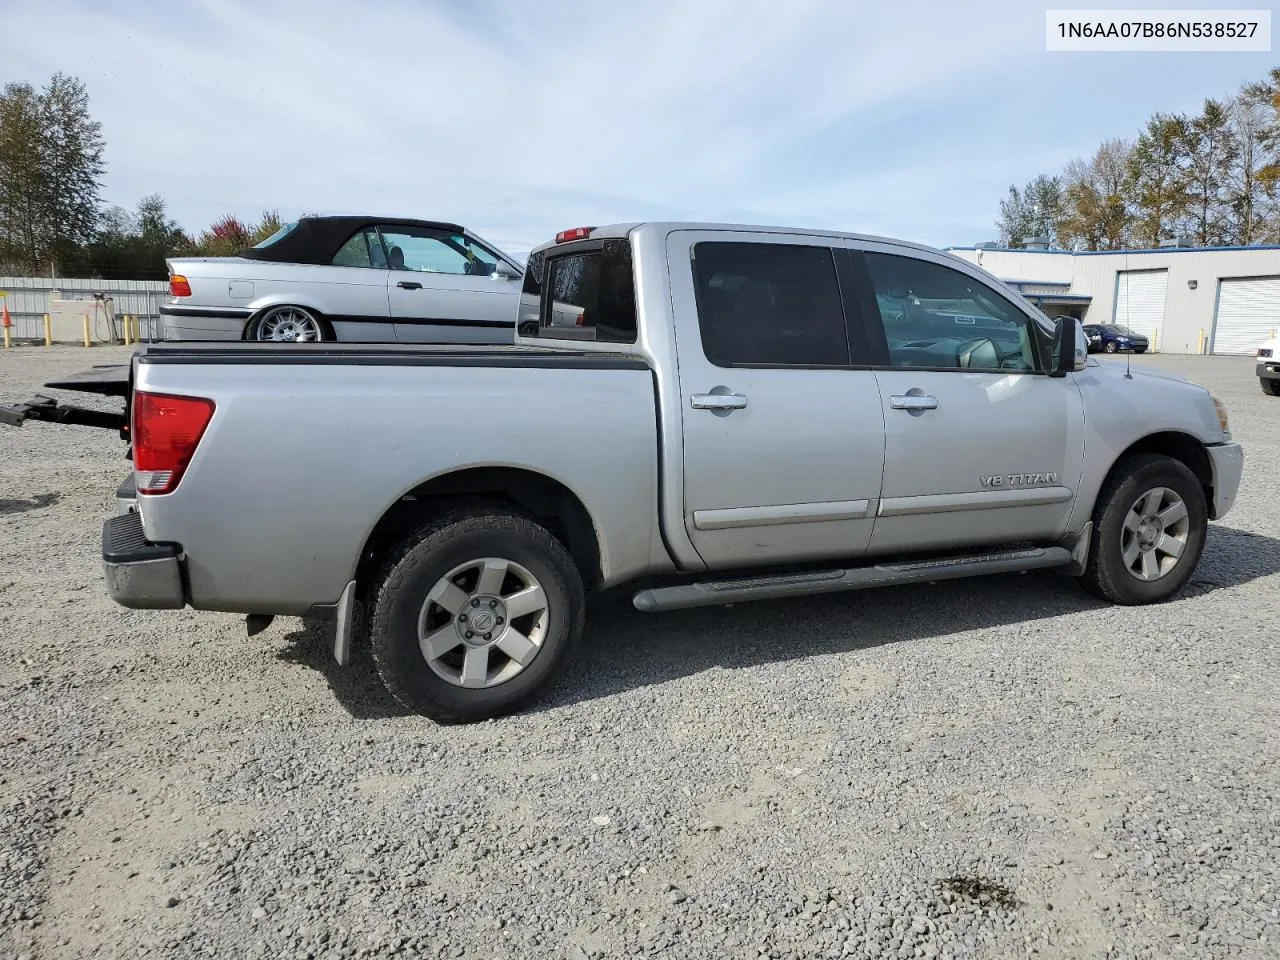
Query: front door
[
  {"x": 442, "y": 288},
  {"x": 783, "y": 438},
  {"x": 981, "y": 445}
]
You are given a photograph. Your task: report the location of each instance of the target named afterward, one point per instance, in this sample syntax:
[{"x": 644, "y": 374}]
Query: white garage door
[
  {"x": 1140, "y": 301},
  {"x": 1248, "y": 312}
]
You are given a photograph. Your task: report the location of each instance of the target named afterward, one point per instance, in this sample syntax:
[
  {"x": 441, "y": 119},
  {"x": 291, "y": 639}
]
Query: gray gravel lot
[{"x": 992, "y": 768}]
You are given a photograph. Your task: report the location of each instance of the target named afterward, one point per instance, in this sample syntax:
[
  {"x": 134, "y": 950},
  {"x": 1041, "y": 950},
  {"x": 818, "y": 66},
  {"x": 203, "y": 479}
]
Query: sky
[{"x": 904, "y": 118}]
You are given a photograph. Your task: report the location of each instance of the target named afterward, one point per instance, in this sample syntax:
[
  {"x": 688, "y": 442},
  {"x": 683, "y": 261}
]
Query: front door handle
[
  {"x": 913, "y": 402},
  {"x": 409, "y": 285},
  {"x": 718, "y": 401}
]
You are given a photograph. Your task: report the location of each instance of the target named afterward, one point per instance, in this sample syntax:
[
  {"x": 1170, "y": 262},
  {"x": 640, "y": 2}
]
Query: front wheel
[
  {"x": 1110, "y": 347},
  {"x": 1269, "y": 387},
  {"x": 474, "y": 614},
  {"x": 1149, "y": 528}
]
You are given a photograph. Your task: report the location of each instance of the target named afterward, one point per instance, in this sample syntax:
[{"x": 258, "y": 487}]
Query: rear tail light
[
  {"x": 178, "y": 286},
  {"x": 577, "y": 233},
  {"x": 166, "y": 432}
]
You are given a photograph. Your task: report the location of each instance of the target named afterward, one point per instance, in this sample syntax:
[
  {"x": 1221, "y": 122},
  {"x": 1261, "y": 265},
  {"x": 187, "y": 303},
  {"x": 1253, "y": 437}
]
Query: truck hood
[{"x": 1114, "y": 370}]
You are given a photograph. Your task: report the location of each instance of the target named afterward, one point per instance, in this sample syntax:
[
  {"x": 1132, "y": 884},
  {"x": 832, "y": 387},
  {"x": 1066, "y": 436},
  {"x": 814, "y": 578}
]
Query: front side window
[
  {"x": 364, "y": 249},
  {"x": 769, "y": 304},
  {"x": 937, "y": 317},
  {"x": 434, "y": 251}
]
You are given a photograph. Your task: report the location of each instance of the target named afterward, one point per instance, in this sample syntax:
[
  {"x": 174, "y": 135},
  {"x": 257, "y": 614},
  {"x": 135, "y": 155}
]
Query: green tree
[
  {"x": 1211, "y": 148},
  {"x": 50, "y": 172},
  {"x": 1158, "y": 180},
  {"x": 1033, "y": 211},
  {"x": 131, "y": 246}
]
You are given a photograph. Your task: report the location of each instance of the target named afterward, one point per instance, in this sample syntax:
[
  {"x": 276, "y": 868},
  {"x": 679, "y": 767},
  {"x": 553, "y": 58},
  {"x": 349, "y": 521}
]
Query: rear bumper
[
  {"x": 140, "y": 574},
  {"x": 1269, "y": 369},
  {"x": 1227, "y": 460}
]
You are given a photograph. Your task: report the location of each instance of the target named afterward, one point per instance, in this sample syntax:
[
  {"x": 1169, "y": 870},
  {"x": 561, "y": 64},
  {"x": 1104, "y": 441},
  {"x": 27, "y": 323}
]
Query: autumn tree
[{"x": 1097, "y": 208}]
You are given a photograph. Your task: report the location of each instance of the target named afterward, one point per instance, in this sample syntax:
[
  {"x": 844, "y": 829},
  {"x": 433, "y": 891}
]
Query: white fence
[{"x": 28, "y": 299}]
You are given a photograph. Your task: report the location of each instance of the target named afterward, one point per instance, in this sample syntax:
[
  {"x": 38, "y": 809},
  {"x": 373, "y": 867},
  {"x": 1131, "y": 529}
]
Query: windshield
[
  {"x": 277, "y": 236},
  {"x": 1123, "y": 331}
]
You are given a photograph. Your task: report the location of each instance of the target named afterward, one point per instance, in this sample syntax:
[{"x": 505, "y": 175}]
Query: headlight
[{"x": 1222, "y": 415}]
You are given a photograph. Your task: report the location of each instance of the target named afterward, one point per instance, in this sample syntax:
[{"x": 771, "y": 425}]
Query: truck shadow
[{"x": 624, "y": 649}]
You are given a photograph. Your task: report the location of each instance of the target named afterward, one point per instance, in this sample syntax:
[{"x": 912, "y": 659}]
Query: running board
[{"x": 717, "y": 592}]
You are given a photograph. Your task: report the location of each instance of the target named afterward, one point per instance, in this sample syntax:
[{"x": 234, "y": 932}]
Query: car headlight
[{"x": 1222, "y": 415}]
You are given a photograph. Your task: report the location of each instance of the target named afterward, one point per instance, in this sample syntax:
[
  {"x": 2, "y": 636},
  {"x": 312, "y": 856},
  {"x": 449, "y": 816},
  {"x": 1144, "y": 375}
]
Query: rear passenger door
[
  {"x": 783, "y": 435},
  {"x": 982, "y": 446}
]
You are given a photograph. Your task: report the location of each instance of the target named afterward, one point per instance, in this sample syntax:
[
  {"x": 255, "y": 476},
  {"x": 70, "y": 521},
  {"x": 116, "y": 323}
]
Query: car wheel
[
  {"x": 1269, "y": 387},
  {"x": 287, "y": 324},
  {"x": 474, "y": 614},
  {"x": 1149, "y": 527},
  {"x": 1110, "y": 346}
]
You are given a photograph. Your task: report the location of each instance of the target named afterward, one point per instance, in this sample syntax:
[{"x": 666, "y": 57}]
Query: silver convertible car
[{"x": 362, "y": 279}]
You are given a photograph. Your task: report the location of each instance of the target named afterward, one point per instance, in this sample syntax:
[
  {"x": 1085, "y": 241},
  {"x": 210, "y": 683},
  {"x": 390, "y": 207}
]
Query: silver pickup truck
[{"x": 705, "y": 413}]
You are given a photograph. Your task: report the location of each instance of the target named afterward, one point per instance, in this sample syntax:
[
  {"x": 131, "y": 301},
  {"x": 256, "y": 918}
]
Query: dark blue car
[{"x": 1113, "y": 338}]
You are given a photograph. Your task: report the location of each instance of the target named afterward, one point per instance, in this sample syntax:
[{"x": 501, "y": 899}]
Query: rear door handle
[
  {"x": 409, "y": 285},
  {"x": 718, "y": 401},
  {"x": 913, "y": 402}
]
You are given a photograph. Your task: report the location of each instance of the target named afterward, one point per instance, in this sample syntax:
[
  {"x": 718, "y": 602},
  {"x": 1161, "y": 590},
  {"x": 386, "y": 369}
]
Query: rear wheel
[
  {"x": 1149, "y": 528},
  {"x": 287, "y": 324},
  {"x": 1269, "y": 387},
  {"x": 474, "y": 615}
]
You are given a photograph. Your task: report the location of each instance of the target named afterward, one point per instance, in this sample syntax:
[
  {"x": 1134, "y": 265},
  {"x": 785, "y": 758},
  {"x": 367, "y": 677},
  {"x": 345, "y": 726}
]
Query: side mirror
[
  {"x": 1070, "y": 347},
  {"x": 504, "y": 271}
]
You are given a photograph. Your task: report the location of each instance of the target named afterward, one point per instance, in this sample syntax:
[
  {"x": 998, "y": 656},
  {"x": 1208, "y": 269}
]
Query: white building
[{"x": 1185, "y": 299}]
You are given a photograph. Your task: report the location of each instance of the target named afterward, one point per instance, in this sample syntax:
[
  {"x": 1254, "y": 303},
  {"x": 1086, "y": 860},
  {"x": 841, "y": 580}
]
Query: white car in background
[
  {"x": 359, "y": 279},
  {"x": 1269, "y": 367}
]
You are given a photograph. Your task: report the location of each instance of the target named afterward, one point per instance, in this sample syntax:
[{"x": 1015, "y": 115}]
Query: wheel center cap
[
  {"x": 483, "y": 621},
  {"x": 1149, "y": 531}
]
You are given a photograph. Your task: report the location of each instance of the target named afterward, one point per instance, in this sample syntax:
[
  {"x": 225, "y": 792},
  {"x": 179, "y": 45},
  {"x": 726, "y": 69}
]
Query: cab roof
[{"x": 622, "y": 230}]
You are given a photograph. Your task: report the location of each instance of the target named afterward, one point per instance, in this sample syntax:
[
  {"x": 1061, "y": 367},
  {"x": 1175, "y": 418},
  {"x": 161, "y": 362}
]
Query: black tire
[
  {"x": 1110, "y": 346},
  {"x": 1106, "y": 574},
  {"x": 1269, "y": 387},
  {"x": 424, "y": 558}
]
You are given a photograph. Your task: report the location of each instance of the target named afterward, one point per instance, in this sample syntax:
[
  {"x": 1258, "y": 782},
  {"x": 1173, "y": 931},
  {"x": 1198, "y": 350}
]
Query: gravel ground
[{"x": 1002, "y": 767}]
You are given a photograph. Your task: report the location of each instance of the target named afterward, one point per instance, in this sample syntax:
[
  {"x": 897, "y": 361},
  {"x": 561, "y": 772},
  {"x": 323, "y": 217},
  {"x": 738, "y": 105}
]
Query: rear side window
[
  {"x": 769, "y": 304},
  {"x": 364, "y": 249},
  {"x": 589, "y": 295}
]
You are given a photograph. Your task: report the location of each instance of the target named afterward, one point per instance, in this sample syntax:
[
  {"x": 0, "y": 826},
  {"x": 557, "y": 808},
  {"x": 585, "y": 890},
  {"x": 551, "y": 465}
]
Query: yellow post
[
  {"x": 125, "y": 325},
  {"x": 1155, "y": 341},
  {"x": 7, "y": 344},
  {"x": 137, "y": 329},
  {"x": 48, "y": 331},
  {"x": 85, "y": 325}
]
